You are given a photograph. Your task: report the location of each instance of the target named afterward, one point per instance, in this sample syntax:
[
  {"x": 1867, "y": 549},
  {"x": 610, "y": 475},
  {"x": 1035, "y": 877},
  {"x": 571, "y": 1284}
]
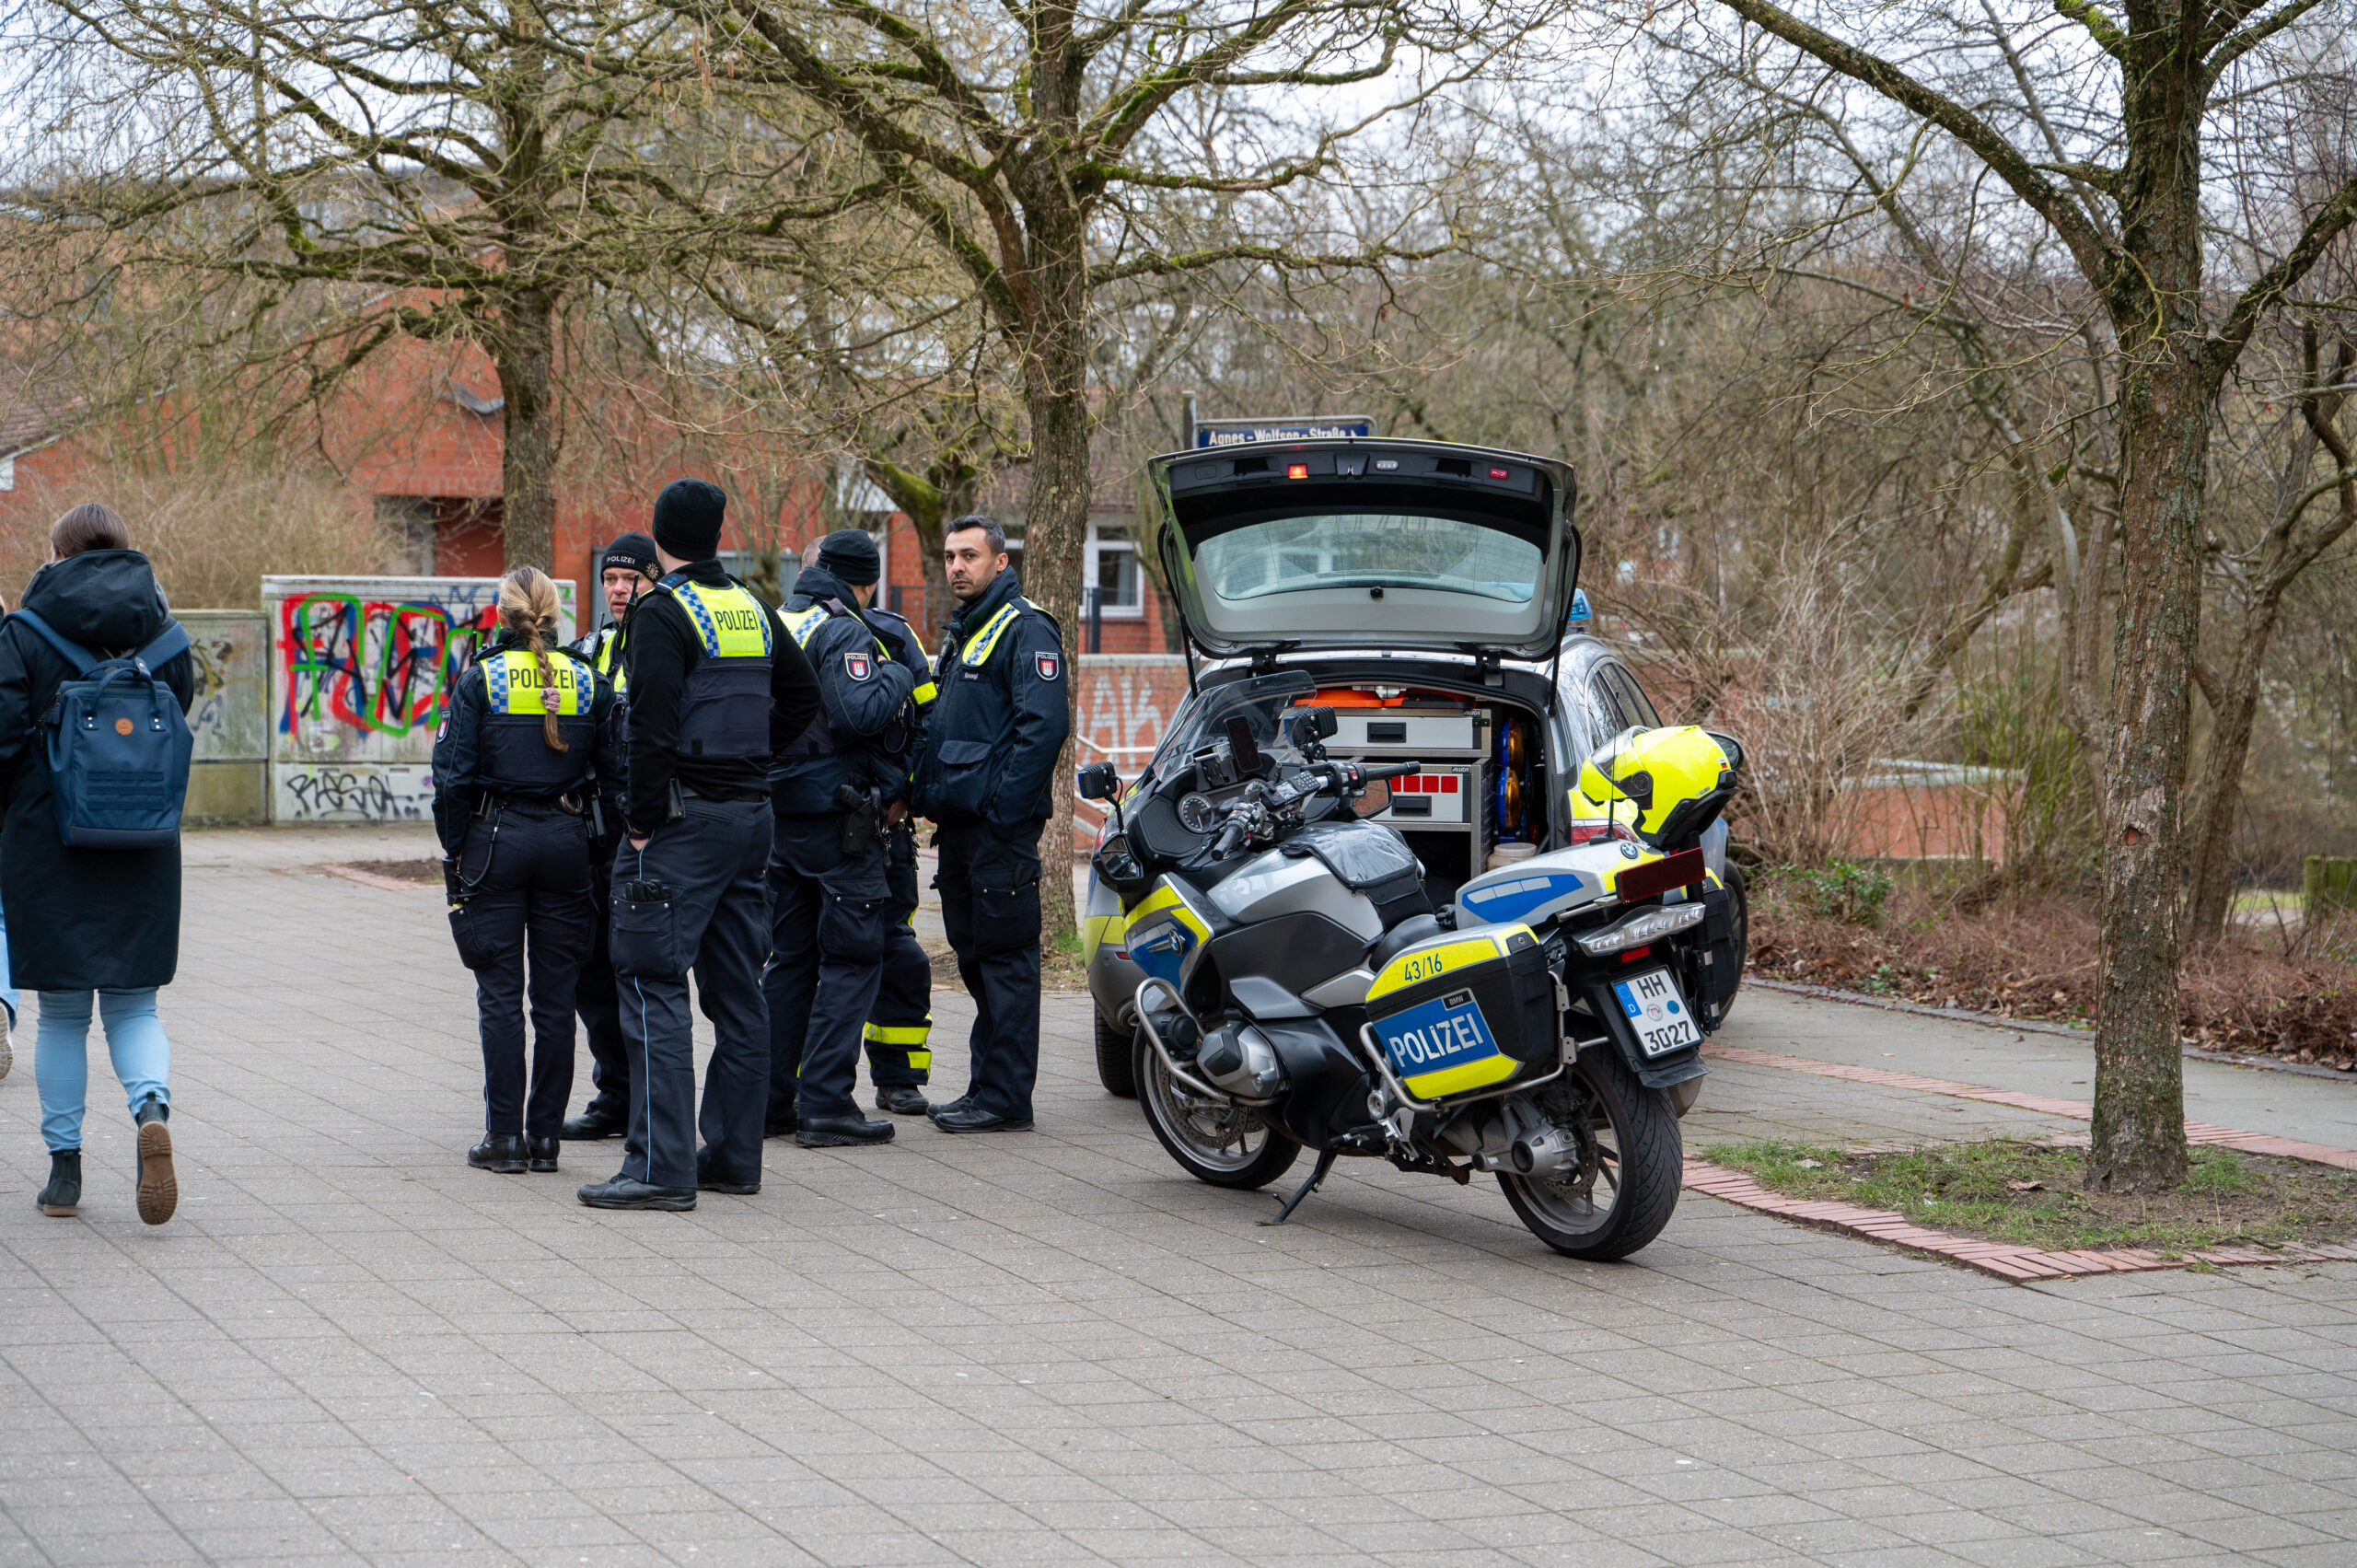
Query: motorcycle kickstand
[{"x": 1325, "y": 1163}]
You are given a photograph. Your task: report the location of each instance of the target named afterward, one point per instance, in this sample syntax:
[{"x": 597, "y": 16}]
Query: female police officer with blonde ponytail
[{"x": 516, "y": 765}]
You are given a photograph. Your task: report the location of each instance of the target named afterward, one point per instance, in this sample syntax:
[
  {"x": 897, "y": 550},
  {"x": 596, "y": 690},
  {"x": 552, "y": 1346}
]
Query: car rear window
[{"x": 1368, "y": 550}]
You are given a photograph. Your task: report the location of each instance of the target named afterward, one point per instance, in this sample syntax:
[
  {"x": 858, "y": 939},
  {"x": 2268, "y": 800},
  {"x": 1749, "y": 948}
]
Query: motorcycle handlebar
[
  {"x": 1390, "y": 771},
  {"x": 1230, "y": 836}
]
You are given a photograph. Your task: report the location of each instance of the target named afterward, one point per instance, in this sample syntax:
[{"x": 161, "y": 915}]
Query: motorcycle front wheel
[
  {"x": 1632, "y": 1159},
  {"x": 1214, "y": 1141}
]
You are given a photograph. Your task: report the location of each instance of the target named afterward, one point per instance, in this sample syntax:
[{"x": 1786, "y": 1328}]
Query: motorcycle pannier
[{"x": 1466, "y": 1012}]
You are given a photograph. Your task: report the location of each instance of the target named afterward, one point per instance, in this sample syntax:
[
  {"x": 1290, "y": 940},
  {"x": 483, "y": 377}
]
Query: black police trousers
[
  {"x": 836, "y": 944},
  {"x": 990, "y": 906},
  {"x": 528, "y": 865},
  {"x": 718, "y": 926},
  {"x": 597, "y": 998}
]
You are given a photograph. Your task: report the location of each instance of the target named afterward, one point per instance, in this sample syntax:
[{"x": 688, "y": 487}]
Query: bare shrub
[{"x": 213, "y": 532}]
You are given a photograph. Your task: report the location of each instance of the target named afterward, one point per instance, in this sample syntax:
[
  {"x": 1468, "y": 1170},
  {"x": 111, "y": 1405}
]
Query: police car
[{"x": 1430, "y": 591}]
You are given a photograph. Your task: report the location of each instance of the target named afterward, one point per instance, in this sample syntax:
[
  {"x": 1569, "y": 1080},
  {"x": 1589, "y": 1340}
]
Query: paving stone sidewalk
[{"x": 350, "y": 1348}]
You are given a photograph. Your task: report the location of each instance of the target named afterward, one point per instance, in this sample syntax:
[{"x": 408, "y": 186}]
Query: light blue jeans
[
  {"x": 8, "y": 992},
  {"x": 142, "y": 1057}
]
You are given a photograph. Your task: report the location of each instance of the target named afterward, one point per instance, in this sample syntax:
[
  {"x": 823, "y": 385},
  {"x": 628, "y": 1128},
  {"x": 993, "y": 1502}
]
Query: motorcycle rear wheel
[
  {"x": 1215, "y": 1141},
  {"x": 1116, "y": 1050},
  {"x": 1632, "y": 1162}
]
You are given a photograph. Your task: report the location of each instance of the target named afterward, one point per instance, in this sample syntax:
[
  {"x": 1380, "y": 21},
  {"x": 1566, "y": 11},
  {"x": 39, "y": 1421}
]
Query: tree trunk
[
  {"x": 2213, "y": 838},
  {"x": 523, "y": 351},
  {"x": 1055, "y": 529},
  {"x": 2139, "y": 1085}
]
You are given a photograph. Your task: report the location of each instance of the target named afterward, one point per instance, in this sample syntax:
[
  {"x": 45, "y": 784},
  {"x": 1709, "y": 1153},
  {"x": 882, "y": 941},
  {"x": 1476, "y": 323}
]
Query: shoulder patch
[
  {"x": 1049, "y": 665},
  {"x": 858, "y": 664}
]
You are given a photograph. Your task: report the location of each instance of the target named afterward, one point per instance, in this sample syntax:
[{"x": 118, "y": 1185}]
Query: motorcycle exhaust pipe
[{"x": 1544, "y": 1154}]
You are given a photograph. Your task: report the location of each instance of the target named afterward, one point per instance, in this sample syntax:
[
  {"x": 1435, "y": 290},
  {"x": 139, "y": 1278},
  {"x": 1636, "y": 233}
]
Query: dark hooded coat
[{"x": 80, "y": 919}]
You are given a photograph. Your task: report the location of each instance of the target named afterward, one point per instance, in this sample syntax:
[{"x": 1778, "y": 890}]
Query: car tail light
[{"x": 1297, "y": 471}]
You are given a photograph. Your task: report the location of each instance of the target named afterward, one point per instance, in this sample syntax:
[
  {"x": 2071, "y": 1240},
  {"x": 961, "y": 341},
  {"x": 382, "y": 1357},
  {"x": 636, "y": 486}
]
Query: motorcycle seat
[{"x": 1409, "y": 932}]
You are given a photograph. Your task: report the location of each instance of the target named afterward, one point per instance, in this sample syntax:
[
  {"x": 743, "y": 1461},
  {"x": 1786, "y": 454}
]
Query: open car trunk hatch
[{"x": 1358, "y": 544}]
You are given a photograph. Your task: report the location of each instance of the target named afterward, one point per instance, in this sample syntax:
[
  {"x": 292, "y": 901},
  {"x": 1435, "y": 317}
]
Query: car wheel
[
  {"x": 1738, "y": 939},
  {"x": 1115, "y": 1068}
]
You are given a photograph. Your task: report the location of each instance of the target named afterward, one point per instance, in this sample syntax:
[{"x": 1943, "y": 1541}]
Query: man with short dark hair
[
  {"x": 992, "y": 740},
  {"x": 715, "y": 688},
  {"x": 626, "y": 568}
]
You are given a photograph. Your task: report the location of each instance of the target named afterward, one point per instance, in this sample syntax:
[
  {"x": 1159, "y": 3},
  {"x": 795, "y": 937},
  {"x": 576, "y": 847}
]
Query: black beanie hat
[
  {"x": 686, "y": 518},
  {"x": 634, "y": 550},
  {"x": 851, "y": 556}
]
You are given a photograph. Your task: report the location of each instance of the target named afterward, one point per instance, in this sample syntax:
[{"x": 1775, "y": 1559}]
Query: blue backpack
[{"x": 118, "y": 745}]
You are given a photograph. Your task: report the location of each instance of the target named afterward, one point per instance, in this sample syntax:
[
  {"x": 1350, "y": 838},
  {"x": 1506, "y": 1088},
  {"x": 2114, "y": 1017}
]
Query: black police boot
[
  {"x": 707, "y": 1182},
  {"x": 974, "y": 1119},
  {"x": 64, "y": 1190},
  {"x": 501, "y": 1152},
  {"x": 621, "y": 1192},
  {"x": 159, "y": 1188},
  {"x": 599, "y": 1121},
  {"x": 842, "y": 1132},
  {"x": 948, "y": 1107},
  {"x": 902, "y": 1100},
  {"x": 540, "y": 1152}
]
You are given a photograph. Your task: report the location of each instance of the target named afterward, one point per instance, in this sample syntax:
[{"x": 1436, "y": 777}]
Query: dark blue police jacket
[
  {"x": 867, "y": 728},
  {"x": 998, "y": 726}
]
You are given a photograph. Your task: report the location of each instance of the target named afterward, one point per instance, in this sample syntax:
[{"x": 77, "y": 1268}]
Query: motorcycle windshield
[{"x": 1261, "y": 701}]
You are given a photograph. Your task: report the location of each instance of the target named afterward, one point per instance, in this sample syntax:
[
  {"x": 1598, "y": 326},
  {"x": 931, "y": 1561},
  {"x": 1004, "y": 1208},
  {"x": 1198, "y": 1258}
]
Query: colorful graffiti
[
  {"x": 377, "y": 666},
  {"x": 361, "y": 670}
]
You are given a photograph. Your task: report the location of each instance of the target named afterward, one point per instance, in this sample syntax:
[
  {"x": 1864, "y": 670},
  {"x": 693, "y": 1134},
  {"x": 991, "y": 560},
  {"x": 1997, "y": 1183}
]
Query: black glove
[
  {"x": 862, "y": 819},
  {"x": 453, "y": 885}
]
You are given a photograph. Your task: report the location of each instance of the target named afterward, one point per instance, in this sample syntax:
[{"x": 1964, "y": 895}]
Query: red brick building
[{"x": 416, "y": 434}]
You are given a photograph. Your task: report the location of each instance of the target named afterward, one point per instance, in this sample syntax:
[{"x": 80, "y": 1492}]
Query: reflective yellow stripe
[
  {"x": 1432, "y": 960},
  {"x": 897, "y": 1034},
  {"x": 730, "y": 622},
  {"x": 920, "y": 1061},
  {"x": 979, "y": 646},
  {"x": 606, "y": 662},
  {"x": 926, "y": 693},
  {"x": 1457, "y": 1080},
  {"x": 512, "y": 682},
  {"x": 804, "y": 624},
  {"x": 1164, "y": 898}
]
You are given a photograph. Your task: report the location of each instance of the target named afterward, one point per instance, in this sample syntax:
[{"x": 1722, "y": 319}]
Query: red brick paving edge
[{"x": 2006, "y": 1261}]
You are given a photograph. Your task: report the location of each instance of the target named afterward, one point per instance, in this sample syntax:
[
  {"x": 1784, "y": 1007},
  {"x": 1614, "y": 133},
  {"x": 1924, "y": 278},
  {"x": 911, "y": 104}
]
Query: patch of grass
[{"x": 2019, "y": 1190}]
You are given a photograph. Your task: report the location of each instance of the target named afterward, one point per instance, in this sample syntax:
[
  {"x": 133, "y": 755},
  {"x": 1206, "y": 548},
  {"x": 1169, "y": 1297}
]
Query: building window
[{"x": 1112, "y": 566}]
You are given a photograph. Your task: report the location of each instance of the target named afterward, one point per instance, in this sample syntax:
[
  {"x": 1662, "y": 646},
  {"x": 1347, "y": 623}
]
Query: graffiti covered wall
[
  {"x": 360, "y": 670},
  {"x": 228, "y": 779}
]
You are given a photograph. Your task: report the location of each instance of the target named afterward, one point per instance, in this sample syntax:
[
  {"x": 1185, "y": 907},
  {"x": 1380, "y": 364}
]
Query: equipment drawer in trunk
[{"x": 1405, "y": 732}]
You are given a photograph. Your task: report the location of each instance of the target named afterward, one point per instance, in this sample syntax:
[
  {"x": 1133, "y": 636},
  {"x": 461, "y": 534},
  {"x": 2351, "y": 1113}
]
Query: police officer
[
  {"x": 518, "y": 754},
  {"x": 625, "y": 569},
  {"x": 832, "y": 915},
  {"x": 992, "y": 742},
  {"x": 715, "y": 689}
]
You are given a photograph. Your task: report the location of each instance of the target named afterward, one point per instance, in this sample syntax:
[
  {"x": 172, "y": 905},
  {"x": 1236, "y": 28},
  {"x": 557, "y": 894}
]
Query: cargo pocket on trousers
[
  {"x": 852, "y": 929},
  {"x": 644, "y": 937},
  {"x": 1006, "y": 920},
  {"x": 478, "y": 949}
]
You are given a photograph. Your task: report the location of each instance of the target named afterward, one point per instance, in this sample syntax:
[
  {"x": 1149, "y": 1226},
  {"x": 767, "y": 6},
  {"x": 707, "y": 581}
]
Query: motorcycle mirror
[
  {"x": 1097, "y": 780},
  {"x": 1311, "y": 725}
]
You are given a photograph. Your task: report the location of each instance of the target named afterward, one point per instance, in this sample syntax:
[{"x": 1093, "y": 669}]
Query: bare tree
[{"x": 2109, "y": 156}]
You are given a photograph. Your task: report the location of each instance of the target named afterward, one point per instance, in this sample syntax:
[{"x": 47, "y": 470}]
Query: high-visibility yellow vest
[
  {"x": 725, "y": 711},
  {"x": 513, "y": 751}
]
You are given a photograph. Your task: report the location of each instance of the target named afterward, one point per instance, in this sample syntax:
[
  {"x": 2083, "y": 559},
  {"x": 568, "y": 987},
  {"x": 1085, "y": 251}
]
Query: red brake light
[
  {"x": 1297, "y": 471},
  {"x": 1498, "y": 473}
]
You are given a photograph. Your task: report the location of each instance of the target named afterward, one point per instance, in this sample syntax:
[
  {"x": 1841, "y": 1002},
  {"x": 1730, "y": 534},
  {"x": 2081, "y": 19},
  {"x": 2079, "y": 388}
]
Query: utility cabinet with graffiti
[{"x": 360, "y": 670}]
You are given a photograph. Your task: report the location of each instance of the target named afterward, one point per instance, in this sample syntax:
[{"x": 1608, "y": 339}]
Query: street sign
[{"x": 1312, "y": 427}]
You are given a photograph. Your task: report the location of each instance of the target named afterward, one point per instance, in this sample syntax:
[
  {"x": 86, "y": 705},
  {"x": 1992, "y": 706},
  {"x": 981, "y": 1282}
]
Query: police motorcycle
[{"x": 1300, "y": 989}]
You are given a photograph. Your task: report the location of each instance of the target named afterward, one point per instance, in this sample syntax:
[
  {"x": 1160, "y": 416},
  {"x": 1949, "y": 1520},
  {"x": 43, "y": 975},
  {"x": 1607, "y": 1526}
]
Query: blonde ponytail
[{"x": 527, "y": 606}]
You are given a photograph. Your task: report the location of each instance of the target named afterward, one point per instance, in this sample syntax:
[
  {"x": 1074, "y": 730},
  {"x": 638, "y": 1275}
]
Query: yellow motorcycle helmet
[{"x": 1679, "y": 780}]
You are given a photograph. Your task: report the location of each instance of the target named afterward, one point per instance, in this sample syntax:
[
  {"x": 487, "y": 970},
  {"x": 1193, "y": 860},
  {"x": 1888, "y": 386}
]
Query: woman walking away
[
  {"x": 90, "y": 922},
  {"x": 516, "y": 764}
]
